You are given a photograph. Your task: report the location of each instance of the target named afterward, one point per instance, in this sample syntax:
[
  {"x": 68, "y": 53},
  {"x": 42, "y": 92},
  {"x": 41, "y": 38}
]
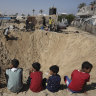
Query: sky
[{"x": 26, "y": 6}]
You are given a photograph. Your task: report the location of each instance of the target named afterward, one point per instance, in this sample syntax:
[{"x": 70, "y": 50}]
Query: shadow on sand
[
  {"x": 62, "y": 87},
  {"x": 25, "y": 88},
  {"x": 3, "y": 85},
  {"x": 12, "y": 38},
  {"x": 91, "y": 86}
]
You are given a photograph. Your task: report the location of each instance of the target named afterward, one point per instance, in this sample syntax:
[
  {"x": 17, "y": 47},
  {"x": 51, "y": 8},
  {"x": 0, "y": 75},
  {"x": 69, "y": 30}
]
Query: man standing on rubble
[
  {"x": 6, "y": 32},
  {"x": 27, "y": 25},
  {"x": 50, "y": 23},
  {"x": 44, "y": 21}
]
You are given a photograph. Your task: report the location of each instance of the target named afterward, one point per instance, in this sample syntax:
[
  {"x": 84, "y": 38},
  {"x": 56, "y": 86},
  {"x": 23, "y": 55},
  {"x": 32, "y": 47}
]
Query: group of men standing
[{"x": 30, "y": 24}]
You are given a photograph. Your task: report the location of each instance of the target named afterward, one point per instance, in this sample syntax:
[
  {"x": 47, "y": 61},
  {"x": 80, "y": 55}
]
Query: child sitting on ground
[
  {"x": 14, "y": 77},
  {"x": 36, "y": 78},
  {"x": 79, "y": 78},
  {"x": 53, "y": 82}
]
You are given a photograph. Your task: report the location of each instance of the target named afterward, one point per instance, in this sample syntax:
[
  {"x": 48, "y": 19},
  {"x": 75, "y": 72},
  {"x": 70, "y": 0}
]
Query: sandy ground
[{"x": 67, "y": 50}]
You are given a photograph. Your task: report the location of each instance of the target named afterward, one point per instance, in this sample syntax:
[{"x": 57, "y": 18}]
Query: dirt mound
[{"x": 68, "y": 51}]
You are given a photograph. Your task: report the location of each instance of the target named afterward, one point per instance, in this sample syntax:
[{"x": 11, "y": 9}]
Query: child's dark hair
[
  {"x": 36, "y": 66},
  {"x": 87, "y": 65},
  {"x": 54, "y": 69},
  {"x": 49, "y": 17},
  {"x": 15, "y": 63}
]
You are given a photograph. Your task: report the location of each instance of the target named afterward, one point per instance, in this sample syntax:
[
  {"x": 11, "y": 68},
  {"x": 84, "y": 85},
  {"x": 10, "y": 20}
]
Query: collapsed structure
[
  {"x": 87, "y": 19},
  {"x": 87, "y": 11}
]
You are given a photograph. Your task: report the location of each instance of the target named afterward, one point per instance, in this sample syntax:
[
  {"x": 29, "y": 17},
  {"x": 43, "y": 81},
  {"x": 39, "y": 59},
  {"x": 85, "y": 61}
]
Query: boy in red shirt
[
  {"x": 79, "y": 78},
  {"x": 36, "y": 78}
]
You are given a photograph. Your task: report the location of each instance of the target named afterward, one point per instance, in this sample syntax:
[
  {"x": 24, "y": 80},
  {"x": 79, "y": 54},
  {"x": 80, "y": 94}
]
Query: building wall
[{"x": 87, "y": 11}]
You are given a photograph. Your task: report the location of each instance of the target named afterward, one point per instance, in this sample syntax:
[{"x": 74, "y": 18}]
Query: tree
[
  {"x": 33, "y": 11},
  {"x": 16, "y": 14},
  {"x": 60, "y": 17},
  {"x": 22, "y": 14},
  {"x": 81, "y": 5},
  {"x": 41, "y": 11},
  {"x": 93, "y": 2},
  {"x": 28, "y": 14},
  {"x": 70, "y": 18}
]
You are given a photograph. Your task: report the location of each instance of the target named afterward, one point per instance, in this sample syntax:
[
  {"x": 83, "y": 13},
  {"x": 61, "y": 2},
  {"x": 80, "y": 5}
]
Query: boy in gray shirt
[{"x": 14, "y": 77}]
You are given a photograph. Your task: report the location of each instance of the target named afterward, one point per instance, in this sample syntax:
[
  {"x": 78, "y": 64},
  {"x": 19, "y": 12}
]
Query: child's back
[
  {"x": 36, "y": 78},
  {"x": 36, "y": 81},
  {"x": 53, "y": 83},
  {"x": 78, "y": 80},
  {"x": 14, "y": 79}
]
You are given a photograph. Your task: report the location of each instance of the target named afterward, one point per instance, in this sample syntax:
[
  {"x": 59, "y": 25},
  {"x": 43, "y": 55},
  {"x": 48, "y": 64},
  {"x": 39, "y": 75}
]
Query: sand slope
[{"x": 68, "y": 51}]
